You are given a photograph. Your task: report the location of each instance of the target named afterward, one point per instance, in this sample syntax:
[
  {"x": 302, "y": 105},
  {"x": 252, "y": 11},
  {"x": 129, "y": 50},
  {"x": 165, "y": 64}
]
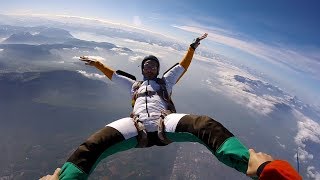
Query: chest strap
[
  {"x": 162, "y": 92},
  {"x": 147, "y": 93}
]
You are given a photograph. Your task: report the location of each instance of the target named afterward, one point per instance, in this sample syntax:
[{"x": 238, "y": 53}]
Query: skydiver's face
[{"x": 150, "y": 69}]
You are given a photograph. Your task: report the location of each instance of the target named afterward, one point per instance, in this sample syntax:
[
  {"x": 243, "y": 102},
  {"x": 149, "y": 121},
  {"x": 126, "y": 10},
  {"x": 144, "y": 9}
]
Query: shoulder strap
[
  {"x": 135, "y": 88},
  {"x": 163, "y": 93},
  {"x": 136, "y": 85},
  {"x": 122, "y": 73},
  {"x": 161, "y": 81},
  {"x": 170, "y": 68}
]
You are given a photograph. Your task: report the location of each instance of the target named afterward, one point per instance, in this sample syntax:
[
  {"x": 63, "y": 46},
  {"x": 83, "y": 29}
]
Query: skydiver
[{"x": 153, "y": 121}]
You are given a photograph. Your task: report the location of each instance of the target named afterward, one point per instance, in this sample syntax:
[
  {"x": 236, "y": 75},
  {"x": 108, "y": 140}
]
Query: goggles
[{"x": 150, "y": 67}]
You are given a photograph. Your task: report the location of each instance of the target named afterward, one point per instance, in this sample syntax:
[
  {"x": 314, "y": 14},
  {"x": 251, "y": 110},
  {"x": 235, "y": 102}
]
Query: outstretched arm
[
  {"x": 186, "y": 60},
  {"x": 97, "y": 64}
]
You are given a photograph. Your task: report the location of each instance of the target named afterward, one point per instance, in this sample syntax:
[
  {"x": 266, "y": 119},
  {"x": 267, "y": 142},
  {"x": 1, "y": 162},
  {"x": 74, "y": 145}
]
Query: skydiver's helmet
[{"x": 150, "y": 57}]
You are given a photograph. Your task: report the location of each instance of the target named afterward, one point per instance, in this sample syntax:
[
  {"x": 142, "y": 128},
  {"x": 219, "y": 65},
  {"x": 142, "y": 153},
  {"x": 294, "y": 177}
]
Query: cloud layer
[
  {"x": 94, "y": 76},
  {"x": 308, "y": 130},
  {"x": 277, "y": 54},
  {"x": 224, "y": 82},
  {"x": 263, "y": 98},
  {"x": 313, "y": 173}
]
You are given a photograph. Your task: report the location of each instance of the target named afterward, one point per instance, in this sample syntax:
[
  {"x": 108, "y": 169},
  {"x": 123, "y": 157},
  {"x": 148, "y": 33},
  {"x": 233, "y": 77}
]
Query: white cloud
[
  {"x": 212, "y": 86},
  {"x": 123, "y": 54},
  {"x": 313, "y": 173},
  {"x": 91, "y": 75},
  {"x": 99, "y": 58},
  {"x": 137, "y": 21},
  {"x": 98, "y": 48},
  {"x": 170, "y": 49},
  {"x": 136, "y": 42},
  {"x": 1, "y": 50},
  {"x": 129, "y": 40},
  {"x": 256, "y": 103},
  {"x": 277, "y": 54},
  {"x": 147, "y": 52},
  {"x": 282, "y": 145},
  {"x": 278, "y": 141},
  {"x": 308, "y": 130},
  {"x": 135, "y": 58},
  {"x": 120, "y": 51},
  {"x": 304, "y": 155},
  {"x": 74, "y": 48},
  {"x": 35, "y": 33},
  {"x": 116, "y": 49},
  {"x": 237, "y": 91}
]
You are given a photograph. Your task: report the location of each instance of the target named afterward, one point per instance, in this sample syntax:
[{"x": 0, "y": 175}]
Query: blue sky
[{"x": 280, "y": 38}]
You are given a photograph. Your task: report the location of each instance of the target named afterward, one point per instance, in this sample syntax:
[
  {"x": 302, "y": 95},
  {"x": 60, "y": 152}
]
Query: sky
[{"x": 278, "y": 38}]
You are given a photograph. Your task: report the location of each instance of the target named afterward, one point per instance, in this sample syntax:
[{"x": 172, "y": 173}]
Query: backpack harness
[{"x": 164, "y": 95}]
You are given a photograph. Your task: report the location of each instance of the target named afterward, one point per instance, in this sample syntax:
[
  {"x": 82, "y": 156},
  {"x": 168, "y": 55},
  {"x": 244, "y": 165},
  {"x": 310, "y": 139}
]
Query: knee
[
  {"x": 207, "y": 122},
  {"x": 204, "y": 122},
  {"x": 91, "y": 142},
  {"x": 201, "y": 126}
]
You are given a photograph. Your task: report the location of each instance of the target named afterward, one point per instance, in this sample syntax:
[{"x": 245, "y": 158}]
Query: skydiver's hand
[
  {"x": 255, "y": 160},
  {"x": 54, "y": 176},
  {"x": 203, "y": 36},
  {"x": 196, "y": 42},
  {"x": 89, "y": 61}
]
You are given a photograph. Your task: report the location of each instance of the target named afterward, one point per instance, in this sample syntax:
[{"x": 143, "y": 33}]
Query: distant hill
[
  {"x": 41, "y": 35},
  {"x": 24, "y": 51},
  {"x": 90, "y": 44},
  {"x": 48, "y": 36},
  {"x": 26, "y": 38},
  {"x": 55, "y": 33},
  {"x": 7, "y": 30}
]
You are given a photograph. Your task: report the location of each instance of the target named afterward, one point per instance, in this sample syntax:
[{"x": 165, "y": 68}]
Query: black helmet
[{"x": 150, "y": 57}]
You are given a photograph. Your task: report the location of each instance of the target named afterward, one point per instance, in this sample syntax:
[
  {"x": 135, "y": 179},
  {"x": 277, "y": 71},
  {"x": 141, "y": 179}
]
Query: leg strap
[
  {"x": 142, "y": 137},
  {"x": 161, "y": 130}
]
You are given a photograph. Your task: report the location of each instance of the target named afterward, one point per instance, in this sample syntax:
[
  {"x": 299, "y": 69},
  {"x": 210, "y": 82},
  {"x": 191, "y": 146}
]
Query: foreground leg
[
  {"x": 115, "y": 137},
  {"x": 205, "y": 130}
]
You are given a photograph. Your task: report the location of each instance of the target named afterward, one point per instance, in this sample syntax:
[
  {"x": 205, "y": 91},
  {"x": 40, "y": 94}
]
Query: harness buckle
[{"x": 142, "y": 137}]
